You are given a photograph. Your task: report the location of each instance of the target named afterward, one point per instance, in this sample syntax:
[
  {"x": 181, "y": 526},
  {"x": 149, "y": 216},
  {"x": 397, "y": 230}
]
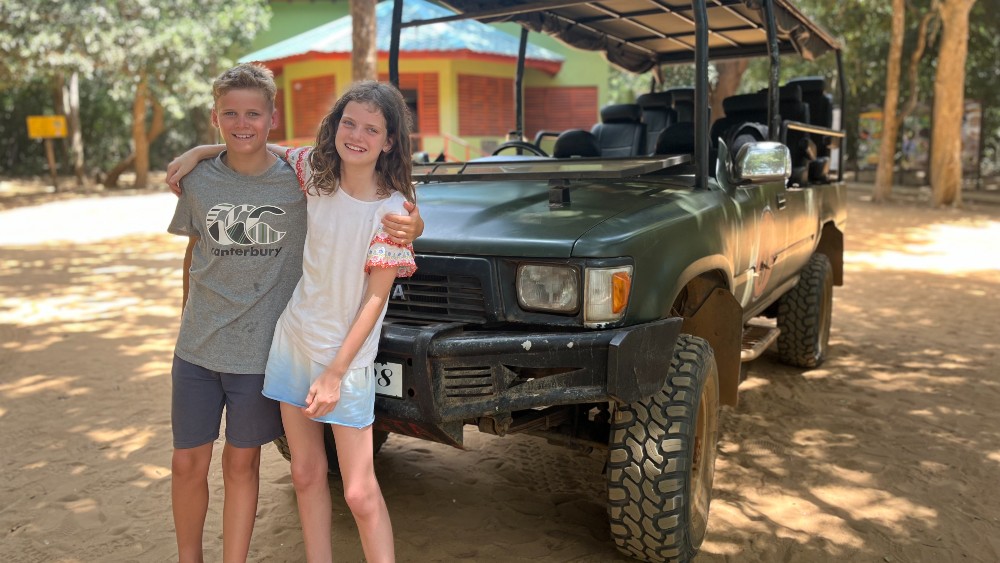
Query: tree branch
[
  {"x": 111, "y": 180},
  {"x": 917, "y": 54}
]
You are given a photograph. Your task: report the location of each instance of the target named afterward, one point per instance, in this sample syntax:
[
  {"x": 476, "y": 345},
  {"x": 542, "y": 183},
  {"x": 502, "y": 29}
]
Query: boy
[{"x": 246, "y": 218}]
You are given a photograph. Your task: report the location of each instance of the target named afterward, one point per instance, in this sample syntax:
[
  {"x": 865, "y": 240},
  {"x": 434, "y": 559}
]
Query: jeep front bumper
[{"x": 452, "y": 375}]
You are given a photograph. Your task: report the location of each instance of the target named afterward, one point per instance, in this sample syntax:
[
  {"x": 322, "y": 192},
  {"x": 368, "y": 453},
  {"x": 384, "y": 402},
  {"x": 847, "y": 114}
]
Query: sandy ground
[{"x": 889, "y": 453}]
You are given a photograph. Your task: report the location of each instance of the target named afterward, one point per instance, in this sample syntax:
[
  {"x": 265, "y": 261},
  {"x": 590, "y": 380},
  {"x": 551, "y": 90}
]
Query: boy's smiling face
[
  {"x": 244, "y": 118},
  {"x": 361, "y": 134}
]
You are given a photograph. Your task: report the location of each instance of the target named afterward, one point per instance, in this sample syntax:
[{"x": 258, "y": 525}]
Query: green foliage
[
  {"x": 982, "y": 71},
  {"x": 18, "y": 154},
  {"x": 625, "y": 87},
  {"x": 180, "y": 45}
]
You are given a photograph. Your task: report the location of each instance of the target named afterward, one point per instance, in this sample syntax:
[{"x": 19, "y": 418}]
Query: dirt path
[{"x": 890, "y": 452}]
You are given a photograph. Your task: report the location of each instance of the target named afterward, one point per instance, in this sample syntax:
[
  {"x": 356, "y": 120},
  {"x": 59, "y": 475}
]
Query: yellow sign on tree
[{"x": 46, "y": 126}]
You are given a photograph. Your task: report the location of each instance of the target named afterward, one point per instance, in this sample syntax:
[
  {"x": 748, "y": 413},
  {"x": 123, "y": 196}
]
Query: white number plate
[{"x": 389, "y": 379}]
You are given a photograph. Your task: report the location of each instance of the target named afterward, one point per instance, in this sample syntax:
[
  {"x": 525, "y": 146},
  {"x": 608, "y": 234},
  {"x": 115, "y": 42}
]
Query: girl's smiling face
[{"x": 361, "y": 134}]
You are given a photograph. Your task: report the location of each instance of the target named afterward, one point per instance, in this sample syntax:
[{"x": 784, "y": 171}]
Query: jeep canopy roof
[{"x": 639, "y": 34}]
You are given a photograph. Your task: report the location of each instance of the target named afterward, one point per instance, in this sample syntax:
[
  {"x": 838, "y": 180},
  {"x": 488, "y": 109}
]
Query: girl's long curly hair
[{"x": 393, "y": 168}]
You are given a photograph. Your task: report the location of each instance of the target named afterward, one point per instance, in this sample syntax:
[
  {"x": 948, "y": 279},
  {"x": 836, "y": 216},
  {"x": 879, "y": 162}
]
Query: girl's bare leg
[
  {"x": 363, "y": 495},
  {"x": 309, "y": 475}
]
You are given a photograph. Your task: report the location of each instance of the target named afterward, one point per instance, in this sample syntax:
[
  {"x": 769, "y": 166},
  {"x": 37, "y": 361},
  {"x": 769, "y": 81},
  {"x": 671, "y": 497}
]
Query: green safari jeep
[{"x": 605, "y": 295}]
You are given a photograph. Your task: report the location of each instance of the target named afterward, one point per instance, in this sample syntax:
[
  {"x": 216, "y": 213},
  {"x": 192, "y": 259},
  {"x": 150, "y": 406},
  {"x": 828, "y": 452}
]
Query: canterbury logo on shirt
[{"x": 242, "y": 225}]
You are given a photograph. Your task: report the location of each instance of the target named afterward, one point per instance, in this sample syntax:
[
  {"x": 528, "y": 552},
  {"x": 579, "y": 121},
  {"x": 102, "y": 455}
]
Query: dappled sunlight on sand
[
  {"x": 88, "y": 321},
  {"x": 33, "y": 384},
  {"x": 860, "y": 503},
  {"x": 943, "y": 248},
  {"x": 86, "y": 220},
  {"x": 153, "y": 368},
  {"x": 154, "y": 471},
  {"x": 76, "y": 310},
  {"x": 118, "y": 443},
  {"x": 888, "y": 452}
]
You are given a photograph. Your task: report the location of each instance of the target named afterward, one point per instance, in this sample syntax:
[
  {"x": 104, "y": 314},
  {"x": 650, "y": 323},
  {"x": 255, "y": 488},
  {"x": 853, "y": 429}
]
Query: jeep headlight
[
  {"x": 548, "y": 288},
  {"x": 606, "y": 294}
]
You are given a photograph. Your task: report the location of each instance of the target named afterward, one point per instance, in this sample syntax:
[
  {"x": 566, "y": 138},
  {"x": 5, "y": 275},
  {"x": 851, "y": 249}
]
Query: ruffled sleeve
[
  {"x": 383, "y": 253},
  {"x": 298, "y": 159}
]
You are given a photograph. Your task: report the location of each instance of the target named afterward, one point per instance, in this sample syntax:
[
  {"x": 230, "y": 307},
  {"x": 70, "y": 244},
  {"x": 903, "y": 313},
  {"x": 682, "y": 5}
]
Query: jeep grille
[{"x": 431, "y": 298}]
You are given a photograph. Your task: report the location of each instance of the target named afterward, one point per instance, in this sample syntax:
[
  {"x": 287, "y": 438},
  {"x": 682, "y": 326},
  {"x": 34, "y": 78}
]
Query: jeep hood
[{"x": 513, "y": 218}]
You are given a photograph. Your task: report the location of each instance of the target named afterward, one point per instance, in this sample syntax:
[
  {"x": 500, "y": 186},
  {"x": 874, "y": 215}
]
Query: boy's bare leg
[
  {"x": 363, "y": 495},
  {"x": 189, "y": 495},
  {"x": 241, "y": 476},
  {"x": 309, "y": 475}
]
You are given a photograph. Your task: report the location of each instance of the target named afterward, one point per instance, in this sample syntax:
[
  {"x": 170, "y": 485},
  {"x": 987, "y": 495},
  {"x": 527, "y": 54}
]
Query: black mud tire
[
  {"x": 661, "y": 460},
  {"x": 804, "y": 315},
  {"x": 333, "y": 466}
]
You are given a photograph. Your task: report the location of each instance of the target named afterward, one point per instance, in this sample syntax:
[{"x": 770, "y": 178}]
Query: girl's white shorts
[{"x": 290, "y": 373}]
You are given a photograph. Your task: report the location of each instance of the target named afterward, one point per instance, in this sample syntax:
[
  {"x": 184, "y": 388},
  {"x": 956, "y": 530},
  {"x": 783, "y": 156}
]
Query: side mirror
[{"x": 763, "y": 162}]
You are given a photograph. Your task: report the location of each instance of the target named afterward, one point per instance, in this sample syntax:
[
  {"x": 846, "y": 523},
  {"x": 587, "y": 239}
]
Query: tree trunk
[
  {"x": 364, "y": 56},
  {"x": 141, "y": 137},
  {"x": 140, "y": 143},
  {"x": 890, "y": 123},
  {"x": 60, "y": 103},
  {"x": 730, "y": 76},
  {"x": 71, "y": 103},
  {"x": 949, "y": 102}
]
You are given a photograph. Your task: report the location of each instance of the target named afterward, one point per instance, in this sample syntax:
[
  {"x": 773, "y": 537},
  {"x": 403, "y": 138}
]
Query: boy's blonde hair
[{"x": 247, "y": 76}]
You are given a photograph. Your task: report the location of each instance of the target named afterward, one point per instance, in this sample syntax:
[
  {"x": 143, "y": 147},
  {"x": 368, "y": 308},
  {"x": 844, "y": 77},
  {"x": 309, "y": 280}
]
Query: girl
[{"x": 320, "y": 364}]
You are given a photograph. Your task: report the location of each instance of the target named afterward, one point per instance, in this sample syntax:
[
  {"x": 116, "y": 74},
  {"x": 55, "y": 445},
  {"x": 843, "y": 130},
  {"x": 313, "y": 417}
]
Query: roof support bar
[
  {"x": 700, "y": 101},
  {"x": 842, "y": 90},
  {"x": 519, "y": 87},
  {"x": 397, "y": 19},
  {"x": 774, "y": 73}
]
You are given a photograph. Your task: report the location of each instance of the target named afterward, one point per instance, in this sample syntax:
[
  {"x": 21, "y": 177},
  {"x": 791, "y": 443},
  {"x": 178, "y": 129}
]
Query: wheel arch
[
  {"x": 831, "y": 244},
  {"x": 710, "y": 311}
]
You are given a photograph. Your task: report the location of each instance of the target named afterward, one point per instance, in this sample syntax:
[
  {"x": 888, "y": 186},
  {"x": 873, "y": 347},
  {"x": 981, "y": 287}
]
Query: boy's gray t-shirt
[{"x": 245, "y": 264}]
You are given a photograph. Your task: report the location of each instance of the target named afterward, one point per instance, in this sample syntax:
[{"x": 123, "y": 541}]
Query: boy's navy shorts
[{"x": 199, "y": 396}]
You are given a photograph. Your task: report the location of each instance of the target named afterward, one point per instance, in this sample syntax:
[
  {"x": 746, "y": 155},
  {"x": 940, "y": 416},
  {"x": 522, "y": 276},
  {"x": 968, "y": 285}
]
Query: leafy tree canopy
[{"x": 179, "y": 46}]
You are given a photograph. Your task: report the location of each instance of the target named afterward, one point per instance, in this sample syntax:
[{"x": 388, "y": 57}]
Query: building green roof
[{"x": 462, "y": 35}]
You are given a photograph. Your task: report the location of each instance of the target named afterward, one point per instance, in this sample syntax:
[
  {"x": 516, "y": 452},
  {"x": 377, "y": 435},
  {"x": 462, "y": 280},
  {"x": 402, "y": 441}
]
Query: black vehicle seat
[
  {"x": 576, "y": 142},
  {"x": 821, "y": 113},
  {"x": 740, "y": 109},
  {"x": 682, "y": 99},
  {"x": 678, "y": 138},
  {"x": 657, "y": 114},
  {"x": 749, "y": 111},
  {"x": 793, "y": 108},
  {"x": 621, "y": 131}
]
